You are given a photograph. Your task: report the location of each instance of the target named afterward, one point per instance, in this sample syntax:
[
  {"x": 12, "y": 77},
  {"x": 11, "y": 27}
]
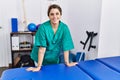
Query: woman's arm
[
  {"x": 41, "y": 56},
  {"x": 40, "y": 60},
  {"x": 66, "y": 59}
]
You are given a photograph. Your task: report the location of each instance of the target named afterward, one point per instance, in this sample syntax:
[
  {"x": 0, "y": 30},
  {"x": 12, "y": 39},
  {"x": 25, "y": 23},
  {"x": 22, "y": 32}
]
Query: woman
[{"x": 52, "y": 37}]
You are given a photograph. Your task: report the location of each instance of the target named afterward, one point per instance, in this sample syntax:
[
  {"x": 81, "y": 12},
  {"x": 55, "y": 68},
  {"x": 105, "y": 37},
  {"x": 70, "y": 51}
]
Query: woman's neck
[{"x": 55, "y": 27}]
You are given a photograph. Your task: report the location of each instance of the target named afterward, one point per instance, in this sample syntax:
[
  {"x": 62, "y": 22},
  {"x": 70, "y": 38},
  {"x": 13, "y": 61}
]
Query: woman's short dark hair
[{"x": 54, "y": 6}]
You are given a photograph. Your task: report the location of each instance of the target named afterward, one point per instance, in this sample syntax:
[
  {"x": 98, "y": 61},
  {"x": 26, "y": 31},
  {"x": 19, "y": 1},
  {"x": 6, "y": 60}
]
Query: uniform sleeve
[
  {"x": 67, "y": 40},
  {"x": 40, "y": 39}
]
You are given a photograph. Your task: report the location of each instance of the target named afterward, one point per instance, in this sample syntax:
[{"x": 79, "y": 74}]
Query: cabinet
[{"x": 21, "y": 44}]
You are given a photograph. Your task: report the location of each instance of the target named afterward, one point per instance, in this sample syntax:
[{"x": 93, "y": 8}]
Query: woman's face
[{"x": 54, "y": 16}]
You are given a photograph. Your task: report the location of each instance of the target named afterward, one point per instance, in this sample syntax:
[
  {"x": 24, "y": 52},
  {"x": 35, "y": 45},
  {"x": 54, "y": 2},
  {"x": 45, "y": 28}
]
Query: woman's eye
[
  {"x": 51, "y": 14},
  {"x": 57, "y": 13}
]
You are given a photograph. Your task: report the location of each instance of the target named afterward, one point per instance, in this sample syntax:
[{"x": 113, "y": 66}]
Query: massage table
[
  {"x": 51, "y": 72},
  {"x": 98, "y": 71},
  {"x": 112, "y": 62},
  {"x": 84, "y": 70}
]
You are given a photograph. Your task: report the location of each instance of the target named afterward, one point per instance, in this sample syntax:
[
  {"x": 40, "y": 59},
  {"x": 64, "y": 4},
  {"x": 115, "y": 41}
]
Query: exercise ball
[{"x": 32, "y": 27}]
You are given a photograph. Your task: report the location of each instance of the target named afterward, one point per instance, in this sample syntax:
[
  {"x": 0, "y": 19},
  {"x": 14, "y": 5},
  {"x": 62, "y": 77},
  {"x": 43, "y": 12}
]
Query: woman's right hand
[{"x": 33, "y": 69}]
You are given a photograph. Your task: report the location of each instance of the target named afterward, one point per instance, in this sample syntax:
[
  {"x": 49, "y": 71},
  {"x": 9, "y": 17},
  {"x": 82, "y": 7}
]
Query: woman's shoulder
[
  {"x": 64, "y": 25},
  {"x": 46, "y": 22},
  {"x": 42, "y": 25}
]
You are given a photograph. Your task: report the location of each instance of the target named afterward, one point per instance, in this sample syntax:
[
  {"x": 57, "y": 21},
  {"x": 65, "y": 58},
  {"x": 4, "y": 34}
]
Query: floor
[{"x": 2, "y": 69}]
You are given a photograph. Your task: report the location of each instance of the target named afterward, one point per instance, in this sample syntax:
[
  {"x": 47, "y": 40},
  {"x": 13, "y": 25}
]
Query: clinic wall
[
  {"x": 5, "y": 7},
  {"x": 84, "y": 15},
  {"x": 29, "y": 11},
  {"x": 109, "y": 41}
]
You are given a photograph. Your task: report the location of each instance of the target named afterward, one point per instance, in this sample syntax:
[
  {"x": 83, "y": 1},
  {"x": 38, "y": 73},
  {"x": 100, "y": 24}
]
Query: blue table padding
[
  {"x": 98, "y": 71},
  {"x": 51, "y": 72},
  {"x": 112, "y": 62}
]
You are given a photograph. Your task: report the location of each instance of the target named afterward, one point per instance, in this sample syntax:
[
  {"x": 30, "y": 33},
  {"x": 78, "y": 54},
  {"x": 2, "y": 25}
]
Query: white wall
[
  {"x": 84, "y": 15},
  {"x": 109, "y": 40},
  {"x": 6, "y": 6},
  {"x": 28, "y": 10}
]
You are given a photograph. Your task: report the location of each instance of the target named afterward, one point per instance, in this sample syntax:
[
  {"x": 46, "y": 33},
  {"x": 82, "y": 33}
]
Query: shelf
[
  {"x": 22, "y": 50},
  {"x": 21, "y": 32},
  {"x": 17, "y": 39}
]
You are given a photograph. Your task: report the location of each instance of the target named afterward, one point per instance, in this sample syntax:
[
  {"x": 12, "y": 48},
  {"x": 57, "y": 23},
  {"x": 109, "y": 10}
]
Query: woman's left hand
[
  {"x": 34, "y": 69},
  {"x": 71, "y": 64}
]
